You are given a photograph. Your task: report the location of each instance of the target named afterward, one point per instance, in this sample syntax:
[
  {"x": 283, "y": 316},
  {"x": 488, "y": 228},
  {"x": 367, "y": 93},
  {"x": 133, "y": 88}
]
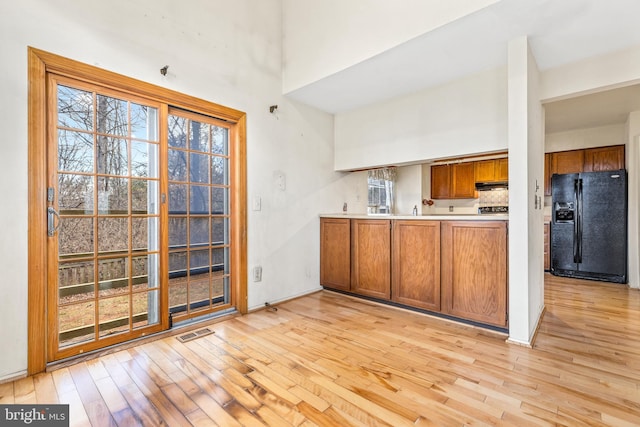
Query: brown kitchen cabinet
[
  {"x": 547, "y": 174},
  {"x": 441, "y": 182},
  {"x": 502, "y": 169},
  {"x": 416, "y": 264},
  {"x": 567, "y": 161},
  {"x": 335, "y": 253},
  {"x": 454, "y": 181},
  {"x": 495, "y": 170},
  {"x": 604, "y": 158},
  {"x": 474, "y": 270},
  {"x": 371, "y": 257},
  {"x": 585, "y": 160}
]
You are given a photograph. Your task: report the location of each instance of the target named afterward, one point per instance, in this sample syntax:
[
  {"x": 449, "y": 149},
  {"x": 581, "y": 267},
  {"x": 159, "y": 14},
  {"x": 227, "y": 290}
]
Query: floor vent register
[{"x": 193, "y": 335}]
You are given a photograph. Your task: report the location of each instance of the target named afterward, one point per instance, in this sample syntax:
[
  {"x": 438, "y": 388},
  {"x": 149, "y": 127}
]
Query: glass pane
[
  {"x": 177, "y": 199},
  {"x": 177, "y": 165},
  {"x": 112, "y": 117},
  {"x": 177, "y": 295},
  {"x": 114, "y": 276},
  {"x": 145, "y": 272},
  {"x": 144, "y": 197},
  {"x": 75, "y": 281},
  {"x": 145, "y": 309},
  {"x": 219, "y": 258},
  {"x": 177, "y": 232},
  {"x": 144, "y": 122},
  {"x": 113, "y": 196},
  {"x": 75, "y": 151},
  {"x": 199, "y": 231},
  {"x": 219, "y": 170},
  {"x": 219, "y": 231},
  {"x": 217, "y": 282},
  {"x": 140, "y": 233},
  {"x": 76, "y": 323},
  {"x": 113, "y": 234},
  {"x": 75, "y": 236},
  {"x": 75, "y": 108},
  {"x": 199, "y": 168},
  {"x": 199, "y": 296},
  {"x": 199, "y": 200},
  {"x": 177, "y": 264},
  {"x": 220, "y": 138},
  {"x": 112, "y": 156},
  {"x": 114, "y": 315},
  {"x": 199, "y": 138},
  {"x": 219, "y": 197},
  {"x": 75, "y": 194},
  {"x": 178, "y": 281},
  {"x": 177, "y": 132},
  {"x": 199, "y": 260},
  {"x": 144, "y": 159}
]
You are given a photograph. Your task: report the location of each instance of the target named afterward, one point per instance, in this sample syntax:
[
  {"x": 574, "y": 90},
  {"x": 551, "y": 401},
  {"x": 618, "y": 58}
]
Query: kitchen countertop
[{"x": 433, "y": 217}]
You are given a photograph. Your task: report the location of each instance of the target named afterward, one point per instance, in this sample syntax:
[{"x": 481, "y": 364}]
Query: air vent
[{"x": 193, "y": 335}]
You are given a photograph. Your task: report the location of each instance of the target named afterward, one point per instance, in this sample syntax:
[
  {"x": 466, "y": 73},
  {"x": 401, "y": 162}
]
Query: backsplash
[{"x": 497, "y": 197}]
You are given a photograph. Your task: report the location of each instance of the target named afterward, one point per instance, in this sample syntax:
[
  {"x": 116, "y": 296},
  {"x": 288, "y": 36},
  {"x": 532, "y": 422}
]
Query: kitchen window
[{"x": 380, "y": 183}]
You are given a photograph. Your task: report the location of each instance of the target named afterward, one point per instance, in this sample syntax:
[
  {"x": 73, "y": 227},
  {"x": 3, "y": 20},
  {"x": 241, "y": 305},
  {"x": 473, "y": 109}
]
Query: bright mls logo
[{"x": 34, "y": 415}]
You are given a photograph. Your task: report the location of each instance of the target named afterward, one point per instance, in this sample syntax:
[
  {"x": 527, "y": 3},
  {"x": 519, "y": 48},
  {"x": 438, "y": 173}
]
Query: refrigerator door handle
[
  {"x": 579, "y": 222},
  {"x": 576, "y": 221}
]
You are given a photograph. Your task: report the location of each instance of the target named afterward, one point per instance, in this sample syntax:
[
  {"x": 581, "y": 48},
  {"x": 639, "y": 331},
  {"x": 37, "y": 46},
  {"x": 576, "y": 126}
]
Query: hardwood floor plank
[
  {"x": 45, "y": 389},
  {"x": 6, "y": 393},
  {"x": 95, "y": 406},
  {"x": 24, "y": 391}
]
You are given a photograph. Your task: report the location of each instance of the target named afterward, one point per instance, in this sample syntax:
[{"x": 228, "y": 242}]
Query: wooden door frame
[{"x": 39, "y": 64}]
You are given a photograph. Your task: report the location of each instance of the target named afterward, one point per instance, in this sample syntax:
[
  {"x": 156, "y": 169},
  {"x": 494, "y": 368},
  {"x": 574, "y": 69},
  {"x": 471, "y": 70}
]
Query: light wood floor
[{"x": 326, "y": 359}]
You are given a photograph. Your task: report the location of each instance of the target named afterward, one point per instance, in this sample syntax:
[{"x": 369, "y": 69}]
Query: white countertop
[{"x": 436, "y": 217}]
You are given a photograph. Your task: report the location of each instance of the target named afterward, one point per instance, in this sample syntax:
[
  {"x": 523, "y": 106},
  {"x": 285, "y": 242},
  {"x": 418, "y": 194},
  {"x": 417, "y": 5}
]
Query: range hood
[{"x": 488, "y": 186}]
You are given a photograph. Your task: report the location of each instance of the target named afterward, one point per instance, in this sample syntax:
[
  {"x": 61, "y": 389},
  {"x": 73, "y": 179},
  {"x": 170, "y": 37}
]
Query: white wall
[
  {"x": 586, "y": 138},
  {"x": 614, "y": 69},
  {"x": 408, "y": 190},
  {"x": 526, "y": 154},
  {"x": 633, "y": 180},
  {"x": 324, "y": 37},
  {"x": 225, "y": 52},
  {"x": 465, "y": 116}
]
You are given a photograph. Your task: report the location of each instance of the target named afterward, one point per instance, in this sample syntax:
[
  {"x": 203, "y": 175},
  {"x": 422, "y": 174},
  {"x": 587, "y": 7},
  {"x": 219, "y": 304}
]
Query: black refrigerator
[{"x": 589, "y": 225}]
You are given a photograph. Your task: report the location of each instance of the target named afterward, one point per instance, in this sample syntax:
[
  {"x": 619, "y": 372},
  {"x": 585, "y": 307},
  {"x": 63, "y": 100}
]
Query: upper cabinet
[
  {"x": 585, "y": 160},
  {"x": 454, "y": 181},
  {"x": 567, "y": 161},
  {"x": 604, "y": 158},
  {"x": 492, "y": 170},
  {"x": 463, "y": 183},
  {"x": 441, "y": 182}
]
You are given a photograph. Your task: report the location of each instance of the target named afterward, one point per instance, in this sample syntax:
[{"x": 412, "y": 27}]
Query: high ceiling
[{"x": 559, "y": 32}]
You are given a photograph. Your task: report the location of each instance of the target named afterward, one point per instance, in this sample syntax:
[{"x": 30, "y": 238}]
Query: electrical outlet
[{"x": 257, "y": 273}]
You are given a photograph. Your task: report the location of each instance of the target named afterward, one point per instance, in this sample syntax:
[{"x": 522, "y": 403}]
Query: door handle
[{"x": 52, "y": 215}]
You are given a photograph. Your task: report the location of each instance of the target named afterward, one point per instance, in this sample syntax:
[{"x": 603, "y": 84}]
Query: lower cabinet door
[
  {"x": 416, "y": 264},
  {"x": 474, "y": 270},
  {"x": 371, "y": 257},
  {"x": 335, "y": 253}
]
